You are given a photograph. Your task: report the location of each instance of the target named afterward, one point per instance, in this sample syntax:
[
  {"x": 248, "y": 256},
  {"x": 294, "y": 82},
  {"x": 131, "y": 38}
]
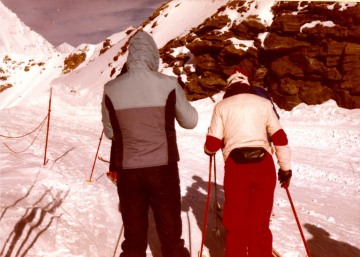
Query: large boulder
[{"x": 311, "y": 53}]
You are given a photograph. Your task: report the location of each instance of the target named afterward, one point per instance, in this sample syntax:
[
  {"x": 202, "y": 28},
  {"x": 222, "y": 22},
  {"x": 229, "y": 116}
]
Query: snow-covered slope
[
  {"x": 174, "y": 19},
  {"x": 16, "y": 37},
  {"x": 178, "y": 17},
  {"x": 97, "y": 67},
  {"x": 53, "y": 210}
]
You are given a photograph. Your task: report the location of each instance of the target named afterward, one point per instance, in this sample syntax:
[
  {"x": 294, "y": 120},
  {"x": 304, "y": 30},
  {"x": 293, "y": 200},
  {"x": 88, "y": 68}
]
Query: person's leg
[
  {"x": 134, "y": 206},
  {"x": 165, "y": 200},
  {"x": 237, "y": 186},
  {"x": 260, "y": 239}
]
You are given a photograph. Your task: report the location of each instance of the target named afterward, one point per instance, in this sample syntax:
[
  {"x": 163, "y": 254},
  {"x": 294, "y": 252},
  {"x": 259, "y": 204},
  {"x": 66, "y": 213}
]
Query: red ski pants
[{"x": 249, "y": 196}]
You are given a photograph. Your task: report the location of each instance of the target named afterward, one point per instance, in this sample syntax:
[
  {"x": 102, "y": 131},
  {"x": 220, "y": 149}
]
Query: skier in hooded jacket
[
  {"x": 242, "y": 125},
  {"x": 140, "y": 108}
]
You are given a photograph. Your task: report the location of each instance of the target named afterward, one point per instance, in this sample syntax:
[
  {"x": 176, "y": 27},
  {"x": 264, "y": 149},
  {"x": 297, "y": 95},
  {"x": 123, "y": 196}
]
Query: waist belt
[{"x": 248, "y": 154}]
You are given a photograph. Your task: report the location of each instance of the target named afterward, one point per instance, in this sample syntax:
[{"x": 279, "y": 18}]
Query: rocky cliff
[{"x": 309, "y": 53}]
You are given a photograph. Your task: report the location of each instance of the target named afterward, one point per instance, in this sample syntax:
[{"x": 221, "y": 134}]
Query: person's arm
[
  {"x": 279, "y": 139},
  {"x": 215, "y": 134},
  {"x": 185, "y": 113},
  {"x": 108, "y": 131},
  {"x": 282, "y": 149},
  {"x": 212, "y": 145}
]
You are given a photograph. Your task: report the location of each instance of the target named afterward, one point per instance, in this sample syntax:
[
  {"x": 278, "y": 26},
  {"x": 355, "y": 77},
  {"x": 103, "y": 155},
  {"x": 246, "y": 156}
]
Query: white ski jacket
[{"x": 246, "y": 120}]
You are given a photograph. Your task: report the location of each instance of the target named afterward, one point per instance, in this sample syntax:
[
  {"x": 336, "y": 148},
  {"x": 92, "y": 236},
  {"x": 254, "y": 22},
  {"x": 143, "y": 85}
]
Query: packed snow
[
  {"x": 64, "y": 205},
  {"x": 53, "y": 209}
]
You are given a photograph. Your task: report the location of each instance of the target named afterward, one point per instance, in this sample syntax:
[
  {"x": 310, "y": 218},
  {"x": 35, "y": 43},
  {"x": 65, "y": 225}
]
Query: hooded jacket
[{"x": 139, "y": 108}]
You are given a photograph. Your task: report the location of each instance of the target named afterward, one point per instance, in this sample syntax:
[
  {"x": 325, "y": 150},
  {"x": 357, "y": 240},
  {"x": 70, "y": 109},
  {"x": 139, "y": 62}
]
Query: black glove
[{"x": 284, "y": 177}]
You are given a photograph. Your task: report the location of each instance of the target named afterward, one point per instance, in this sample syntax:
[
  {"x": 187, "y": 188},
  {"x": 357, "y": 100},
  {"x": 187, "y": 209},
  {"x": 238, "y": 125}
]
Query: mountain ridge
[
  {"x": 279, "y": 44},
  {"x": 16, "y": 37},
  {"x": 107, "y": 55}
]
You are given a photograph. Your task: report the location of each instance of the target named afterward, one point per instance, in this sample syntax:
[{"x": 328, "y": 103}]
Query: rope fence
[
  {"x": 29, "y": 133},
  {"x": 32, "y": 142},
  {"x": 38, "y": 129}
]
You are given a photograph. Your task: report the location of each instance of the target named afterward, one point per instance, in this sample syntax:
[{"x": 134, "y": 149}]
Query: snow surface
[
  {"x": 315, "y": 23},
  {"x": 53, "y": 209}
]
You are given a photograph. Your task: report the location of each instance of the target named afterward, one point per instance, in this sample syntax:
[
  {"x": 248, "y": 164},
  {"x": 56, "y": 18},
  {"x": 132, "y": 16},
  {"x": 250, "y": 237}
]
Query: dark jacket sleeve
[{"x": 108, "y": 131}]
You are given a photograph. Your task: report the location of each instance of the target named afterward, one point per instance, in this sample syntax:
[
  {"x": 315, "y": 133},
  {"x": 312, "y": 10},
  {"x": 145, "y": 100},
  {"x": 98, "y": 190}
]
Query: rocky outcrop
[
  {"x": 73, "y": 61},
  {"x": 311, "y": 53},
  {"x": 323, "y": 60}
]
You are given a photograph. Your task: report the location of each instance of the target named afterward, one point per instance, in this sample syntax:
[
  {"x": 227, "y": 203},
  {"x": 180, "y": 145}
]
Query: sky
[
  {"x": 63, "y": 208},
  {"x": 81, "y": 21}
]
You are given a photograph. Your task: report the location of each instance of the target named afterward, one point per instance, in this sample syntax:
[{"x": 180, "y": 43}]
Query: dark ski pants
[
  {"x": 158, "y": 188},
  {"x": 249, "y": 196}
]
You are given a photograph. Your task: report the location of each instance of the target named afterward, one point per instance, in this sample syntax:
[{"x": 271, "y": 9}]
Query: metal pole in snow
[{"x": 48, "y": 126}]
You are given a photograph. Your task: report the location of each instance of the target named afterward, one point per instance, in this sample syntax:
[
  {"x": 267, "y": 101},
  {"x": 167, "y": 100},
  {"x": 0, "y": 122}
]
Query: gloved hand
[
  {"x": 112, "y": 175},
  {"x": 207, "y": 152},
  {"x": 284, "y": 177}
]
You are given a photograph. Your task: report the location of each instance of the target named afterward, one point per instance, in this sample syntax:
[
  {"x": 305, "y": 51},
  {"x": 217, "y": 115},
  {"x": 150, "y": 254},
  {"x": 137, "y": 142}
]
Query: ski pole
[
  {"x": 297, "y": 219},
  {"x": 97, "y": 151},
  {"x": 216, "y": 203},
  {"x": 206, "y": 209},
  {"x": 118, "y": 240}
]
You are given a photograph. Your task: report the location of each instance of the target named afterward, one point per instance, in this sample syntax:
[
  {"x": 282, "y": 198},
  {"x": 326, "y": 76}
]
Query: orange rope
[
  {"x": 32, "y": 142},
  {"x": 26, "y": 133}
]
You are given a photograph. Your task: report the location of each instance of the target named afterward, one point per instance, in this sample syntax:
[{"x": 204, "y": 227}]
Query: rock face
[{"x": 311, "y": 53}]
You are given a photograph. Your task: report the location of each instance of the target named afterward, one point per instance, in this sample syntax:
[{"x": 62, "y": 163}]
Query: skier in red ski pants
[
  {"x": 243, "y": 124},
  {"x": 249, "y": 194}
]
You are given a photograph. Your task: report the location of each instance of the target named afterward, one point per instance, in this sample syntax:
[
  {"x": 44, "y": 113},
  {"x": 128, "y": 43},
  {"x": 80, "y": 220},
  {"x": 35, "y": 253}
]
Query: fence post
[{"x": 48, "y": 126}]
